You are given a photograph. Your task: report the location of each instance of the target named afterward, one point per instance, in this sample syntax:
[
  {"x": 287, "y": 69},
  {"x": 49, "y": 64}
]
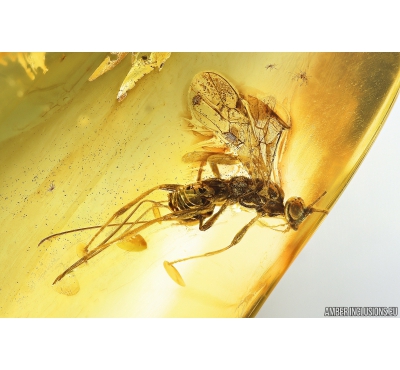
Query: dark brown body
[{"x": 249, "y": 193}]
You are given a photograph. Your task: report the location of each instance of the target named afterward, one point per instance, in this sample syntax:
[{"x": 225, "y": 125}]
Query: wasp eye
[{"x": 295, "y": 211}]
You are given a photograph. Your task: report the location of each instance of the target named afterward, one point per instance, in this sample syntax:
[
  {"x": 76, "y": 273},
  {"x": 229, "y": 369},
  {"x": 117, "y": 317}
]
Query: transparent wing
[
  {"x": 269, "y": 132},
  {"x": 249, "y": 128}
]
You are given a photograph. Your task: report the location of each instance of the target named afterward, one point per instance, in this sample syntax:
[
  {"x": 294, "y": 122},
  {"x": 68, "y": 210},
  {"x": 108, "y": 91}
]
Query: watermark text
[{"x": 361, "y": 311}]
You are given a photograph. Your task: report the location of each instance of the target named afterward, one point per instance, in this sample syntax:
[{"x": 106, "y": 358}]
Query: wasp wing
[
  {"x": 216, "y": 106},
  {"x": 248, "y": 128},
  {"x": 270, "y": 133}
]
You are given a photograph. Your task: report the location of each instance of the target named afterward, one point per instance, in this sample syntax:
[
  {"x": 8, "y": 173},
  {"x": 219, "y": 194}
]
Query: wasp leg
[
  {"x": 127, "y": 233},
  {"x": 125, "y": 208},
  {"x": 213, "y": 218},
  {"x": 155, "y": 210},
  {"x": 176, "y": 276},
  {"x": 225, "y": 159},
  {"x": 198, "y": 156},
  {"x": 75, "y": 231},
  {"x": 201, "y": 170},
  {"x": 283, "y": 228},
  {"x": 173, "y": 216},
  {"x": 87, "y": 255},
  {"x": 90, "y": 254},
  {"x": 156, "y": 213}
]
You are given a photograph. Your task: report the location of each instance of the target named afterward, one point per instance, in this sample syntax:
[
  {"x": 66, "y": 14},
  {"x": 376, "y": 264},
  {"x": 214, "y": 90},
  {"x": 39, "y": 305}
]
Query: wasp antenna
[
  {"x": 319, "y": 210},
  {"x": 315, "y": 201}
]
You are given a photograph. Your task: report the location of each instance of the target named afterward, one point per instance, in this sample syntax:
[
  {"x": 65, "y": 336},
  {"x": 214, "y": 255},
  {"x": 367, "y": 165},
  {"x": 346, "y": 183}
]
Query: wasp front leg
[{"x": 283, "y": 228}]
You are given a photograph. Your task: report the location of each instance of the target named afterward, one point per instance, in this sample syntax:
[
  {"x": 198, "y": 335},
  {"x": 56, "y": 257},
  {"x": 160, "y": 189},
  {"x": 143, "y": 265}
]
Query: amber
[{"x": 72, "y": 155}]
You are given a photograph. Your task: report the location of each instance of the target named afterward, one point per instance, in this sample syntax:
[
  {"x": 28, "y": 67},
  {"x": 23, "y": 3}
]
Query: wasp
[{"x": 246, "y": 132}]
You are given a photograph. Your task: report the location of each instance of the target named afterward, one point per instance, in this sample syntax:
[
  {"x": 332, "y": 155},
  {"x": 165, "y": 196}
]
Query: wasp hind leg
[
  {"x": 203, "y": 226},
  {"x": 174, "y": 273},
  {"x": 131, "y": 234}
]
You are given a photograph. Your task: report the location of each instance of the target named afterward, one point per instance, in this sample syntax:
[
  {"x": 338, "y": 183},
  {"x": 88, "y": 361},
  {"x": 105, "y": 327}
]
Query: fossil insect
[
  {"x": 302, "y": 75},
  {"x": 247, "y": 132}
]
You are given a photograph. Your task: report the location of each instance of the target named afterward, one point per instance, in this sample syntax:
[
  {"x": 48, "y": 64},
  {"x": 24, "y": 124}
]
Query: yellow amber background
[{"x": 71, "y": 155}]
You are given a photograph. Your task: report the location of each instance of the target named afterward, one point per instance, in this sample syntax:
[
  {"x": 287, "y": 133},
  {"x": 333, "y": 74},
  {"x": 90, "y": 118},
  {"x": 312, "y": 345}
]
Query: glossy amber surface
[{"x": 72, "y": 155}]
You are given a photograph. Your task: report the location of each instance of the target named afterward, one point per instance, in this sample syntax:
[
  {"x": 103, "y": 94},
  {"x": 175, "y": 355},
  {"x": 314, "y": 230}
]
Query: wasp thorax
[
  {"x": 295, "y": 212},
  {"x": 275, "y": 192}
]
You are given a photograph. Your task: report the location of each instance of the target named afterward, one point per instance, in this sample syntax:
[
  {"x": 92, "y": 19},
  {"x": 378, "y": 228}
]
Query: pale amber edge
[{"x": 380, "y": 121}]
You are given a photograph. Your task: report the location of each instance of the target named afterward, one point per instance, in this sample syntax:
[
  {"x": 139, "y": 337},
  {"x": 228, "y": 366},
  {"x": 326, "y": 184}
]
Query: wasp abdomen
[{"x": 198, "y": 194}]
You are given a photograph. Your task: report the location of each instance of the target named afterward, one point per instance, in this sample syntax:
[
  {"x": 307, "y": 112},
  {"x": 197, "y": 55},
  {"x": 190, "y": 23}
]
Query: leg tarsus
[{"x": 173, "y": 272}]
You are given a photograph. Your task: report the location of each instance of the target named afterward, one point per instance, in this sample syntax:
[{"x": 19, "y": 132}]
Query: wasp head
[{"x": 296, "y": 211}]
